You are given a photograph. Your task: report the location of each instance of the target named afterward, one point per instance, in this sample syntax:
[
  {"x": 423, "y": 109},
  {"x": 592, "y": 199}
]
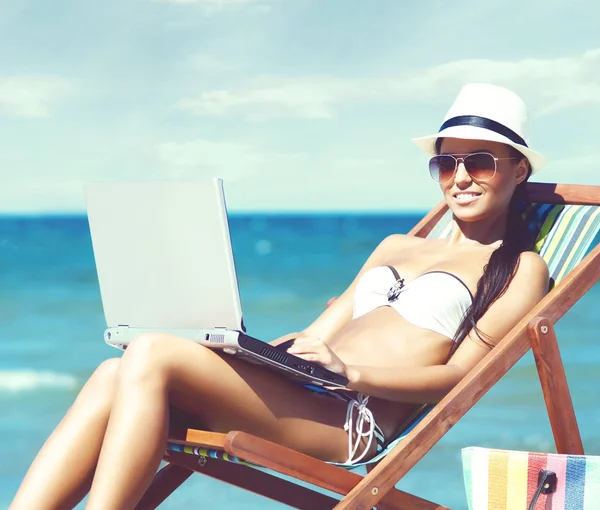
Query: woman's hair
[{"x": 501, "y": 267}]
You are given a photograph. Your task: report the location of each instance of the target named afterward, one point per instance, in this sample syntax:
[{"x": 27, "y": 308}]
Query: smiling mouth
[{"x": 465, "y": 198}]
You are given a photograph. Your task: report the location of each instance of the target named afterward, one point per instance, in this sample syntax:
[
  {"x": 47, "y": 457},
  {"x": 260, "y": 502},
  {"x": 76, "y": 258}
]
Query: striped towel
[{"x": 508, "y": 480}]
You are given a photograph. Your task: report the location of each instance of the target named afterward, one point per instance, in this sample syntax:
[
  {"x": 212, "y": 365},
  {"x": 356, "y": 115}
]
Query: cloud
[
  {"x": 229, "y": 160},
  {"x": 258, "y": 178},
  {"x": 576, "y": 169},
  {"x": 41, "y": 196},
  {"x": 274, "y": 98},
  {"x": 31, "y": 96},
  {"x": 547, "y": 85}
]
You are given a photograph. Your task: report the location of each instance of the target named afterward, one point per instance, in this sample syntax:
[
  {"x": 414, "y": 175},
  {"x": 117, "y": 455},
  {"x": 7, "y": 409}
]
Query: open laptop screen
[{"x": 163, "y": 254}]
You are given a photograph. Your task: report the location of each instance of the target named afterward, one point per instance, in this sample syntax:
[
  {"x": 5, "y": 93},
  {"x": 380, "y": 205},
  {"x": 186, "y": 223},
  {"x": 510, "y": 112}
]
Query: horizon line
[{"x": 264, "y": 212}]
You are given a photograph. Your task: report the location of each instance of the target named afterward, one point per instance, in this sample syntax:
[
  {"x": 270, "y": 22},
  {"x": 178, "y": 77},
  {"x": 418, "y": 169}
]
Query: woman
[{"x": 420, "y": 314}]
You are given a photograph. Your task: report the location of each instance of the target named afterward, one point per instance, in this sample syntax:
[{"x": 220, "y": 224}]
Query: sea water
[{"x": 51, "y": 325}]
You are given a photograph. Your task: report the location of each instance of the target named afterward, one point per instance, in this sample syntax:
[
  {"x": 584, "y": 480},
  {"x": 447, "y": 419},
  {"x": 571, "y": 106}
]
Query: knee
[
  {"x": 106, "y": 373},
  {"x": 145, "y": 357},
  {"x": 100, "y": 387},
  {"x": 104, "y": 378}
]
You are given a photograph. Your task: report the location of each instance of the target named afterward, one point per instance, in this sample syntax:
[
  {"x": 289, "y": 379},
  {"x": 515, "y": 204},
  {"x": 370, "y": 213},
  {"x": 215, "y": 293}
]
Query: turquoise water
[{"x": 51, "y": 325}]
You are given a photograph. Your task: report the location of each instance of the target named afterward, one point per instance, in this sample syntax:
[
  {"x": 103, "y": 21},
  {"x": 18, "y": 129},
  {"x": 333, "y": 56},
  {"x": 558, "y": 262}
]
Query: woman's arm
[
  {"x": 339, "y": 313},
  {"x": 430, "y": 384}
]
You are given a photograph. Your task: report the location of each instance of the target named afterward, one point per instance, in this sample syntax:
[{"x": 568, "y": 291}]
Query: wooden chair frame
[{"x": 535, "y": 330}]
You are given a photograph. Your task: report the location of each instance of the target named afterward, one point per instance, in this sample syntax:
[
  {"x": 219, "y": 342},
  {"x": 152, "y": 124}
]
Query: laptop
[{"x": 165, "y": 264}]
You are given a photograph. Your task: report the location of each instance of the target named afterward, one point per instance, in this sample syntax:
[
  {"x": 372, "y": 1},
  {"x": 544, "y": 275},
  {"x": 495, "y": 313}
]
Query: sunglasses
[{"x": 481, "y": 166}]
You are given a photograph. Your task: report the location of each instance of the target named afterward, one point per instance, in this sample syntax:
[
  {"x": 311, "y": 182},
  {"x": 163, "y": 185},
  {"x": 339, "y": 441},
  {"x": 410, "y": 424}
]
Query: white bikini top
[{"x": 436, "y": 300}]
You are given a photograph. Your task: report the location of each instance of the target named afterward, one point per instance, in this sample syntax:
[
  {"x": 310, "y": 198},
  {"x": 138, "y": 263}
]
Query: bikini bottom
[{"x": 360, "y": 426}]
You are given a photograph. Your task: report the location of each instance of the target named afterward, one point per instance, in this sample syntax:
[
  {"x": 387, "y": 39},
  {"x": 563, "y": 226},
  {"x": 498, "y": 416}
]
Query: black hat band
[{"x": 485, "y": 123}]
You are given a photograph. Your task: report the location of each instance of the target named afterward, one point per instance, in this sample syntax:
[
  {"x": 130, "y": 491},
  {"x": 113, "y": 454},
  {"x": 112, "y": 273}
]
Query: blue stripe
[
  {"x": 571, "y": 236},
  {"x": 537, "y": 217},
  {"x": 575, "y": 482}
]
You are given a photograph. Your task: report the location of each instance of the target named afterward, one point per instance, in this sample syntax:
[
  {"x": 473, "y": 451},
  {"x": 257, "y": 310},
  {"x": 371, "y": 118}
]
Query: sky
[{"x": 297, "y": 104}]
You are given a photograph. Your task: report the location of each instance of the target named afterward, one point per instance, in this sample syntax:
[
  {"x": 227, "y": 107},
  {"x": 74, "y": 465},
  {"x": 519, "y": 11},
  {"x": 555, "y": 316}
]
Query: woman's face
[{"x": 473, "y": 200}]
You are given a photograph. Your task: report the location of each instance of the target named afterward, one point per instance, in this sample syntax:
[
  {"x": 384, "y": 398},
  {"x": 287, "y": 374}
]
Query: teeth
[{"x": 466, "y": 198}]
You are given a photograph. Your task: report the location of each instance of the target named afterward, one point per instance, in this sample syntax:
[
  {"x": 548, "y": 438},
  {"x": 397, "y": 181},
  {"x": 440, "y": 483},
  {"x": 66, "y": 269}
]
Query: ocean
[{"x": 51, "y": 325}]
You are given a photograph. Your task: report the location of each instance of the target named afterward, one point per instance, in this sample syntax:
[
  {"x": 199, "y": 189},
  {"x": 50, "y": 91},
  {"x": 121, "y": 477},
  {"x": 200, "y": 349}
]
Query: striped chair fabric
[
  {"x": 565, "y": 234},
  {"x": 508, "y": 480}
]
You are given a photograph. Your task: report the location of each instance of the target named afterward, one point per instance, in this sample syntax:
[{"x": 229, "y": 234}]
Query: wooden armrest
[
  {"x": 304, "y": 467},
  {"x": 200, "y": 438}
]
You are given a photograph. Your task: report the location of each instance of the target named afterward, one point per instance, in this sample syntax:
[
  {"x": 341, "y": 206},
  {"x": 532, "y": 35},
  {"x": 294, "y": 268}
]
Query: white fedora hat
[{"x": 486, "y": 112}]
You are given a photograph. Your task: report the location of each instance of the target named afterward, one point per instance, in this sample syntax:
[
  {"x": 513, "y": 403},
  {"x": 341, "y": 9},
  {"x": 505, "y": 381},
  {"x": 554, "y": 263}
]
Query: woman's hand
[
  {"x": 312, "y": 348},
  {"x": 285, "y": 338}
]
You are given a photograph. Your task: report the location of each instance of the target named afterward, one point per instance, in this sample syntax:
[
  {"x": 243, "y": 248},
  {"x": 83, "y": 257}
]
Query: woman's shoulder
[
  {"x": 389, "y": 248},
  {"x": 531, "y": 263},
  {"x": 531, "y": 275},
  {"x": 395, "y": 241}
]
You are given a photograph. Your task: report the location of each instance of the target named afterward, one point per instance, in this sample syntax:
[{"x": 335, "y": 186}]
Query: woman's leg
[
  {"x": 221, "y": 392},
  {"x": 61, "y": 474}
]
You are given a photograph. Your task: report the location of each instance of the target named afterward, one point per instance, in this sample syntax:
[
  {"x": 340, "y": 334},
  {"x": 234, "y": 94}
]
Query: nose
[{"x": 461, "y": 175}]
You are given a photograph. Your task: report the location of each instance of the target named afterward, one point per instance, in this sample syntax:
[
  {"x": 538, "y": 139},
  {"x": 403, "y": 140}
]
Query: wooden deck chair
[{"x": 567, "y": 219}]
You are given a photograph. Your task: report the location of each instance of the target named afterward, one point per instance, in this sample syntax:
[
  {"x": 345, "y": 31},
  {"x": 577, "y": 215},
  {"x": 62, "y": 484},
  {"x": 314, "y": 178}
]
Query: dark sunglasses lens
[
  {"x": 442, "y": 167},
  {"x": 481, "y": 166}
]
